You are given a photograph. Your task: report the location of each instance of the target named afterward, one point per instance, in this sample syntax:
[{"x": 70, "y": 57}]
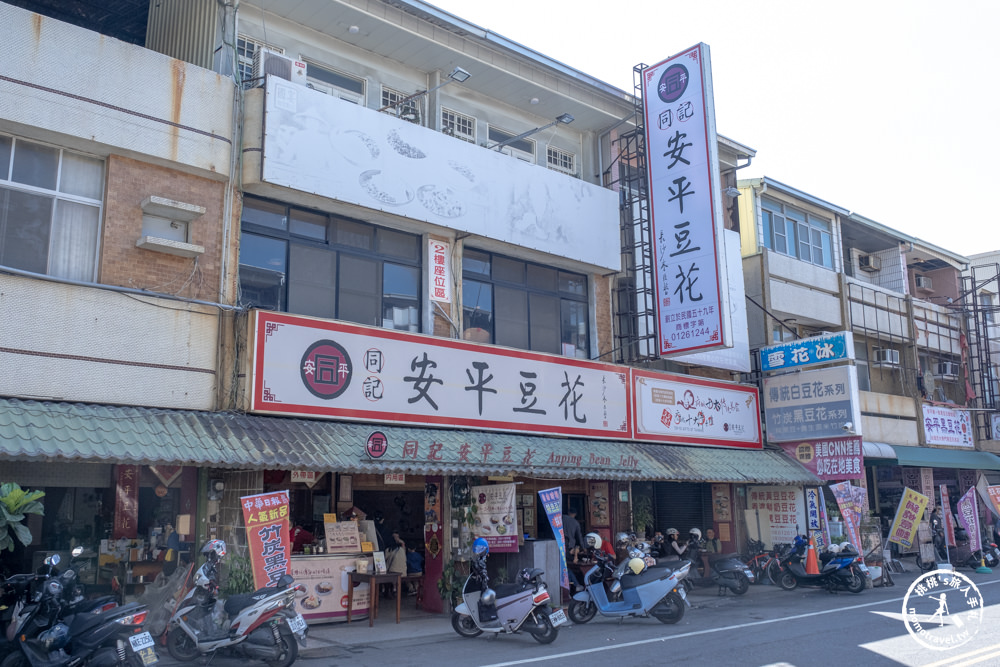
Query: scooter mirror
[
  {"x": 53, "y": 559},
  {"x": 77, "y": 551}
]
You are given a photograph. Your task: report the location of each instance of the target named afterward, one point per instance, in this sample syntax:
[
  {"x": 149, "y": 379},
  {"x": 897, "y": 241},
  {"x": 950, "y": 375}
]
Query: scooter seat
[
  {"x": 237, "y": 603},
  {"x": 506, "y": 590},
  {"x": 650, "y": 574},
  {"x": 714, "y": 558}
]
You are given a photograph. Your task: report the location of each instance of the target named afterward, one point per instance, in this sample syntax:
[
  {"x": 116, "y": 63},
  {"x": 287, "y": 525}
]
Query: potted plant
[
  {"x": 15, "y": 503},
  {"x": 451, "y": 583}
]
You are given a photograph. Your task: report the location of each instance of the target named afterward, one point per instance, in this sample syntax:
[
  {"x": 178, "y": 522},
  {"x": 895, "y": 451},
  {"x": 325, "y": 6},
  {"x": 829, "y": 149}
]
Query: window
[
  {"x": 311, "y": 263},
  {"x": 50, "y": 209},
  {"x": 986, "y": 304},
  {"x": 245, "y": 50},
  {"x": 458, "y": 125},
  {"x": 861, "y": 362},
  {"x": 332, "y": 82},
  {"x": 796, "y": 233},
  {"x": 524, "y": 305},
  {"x": 408, "y": 111},
  {"x": 561, "y": 160},
  {"x": 522, "y": 149}
]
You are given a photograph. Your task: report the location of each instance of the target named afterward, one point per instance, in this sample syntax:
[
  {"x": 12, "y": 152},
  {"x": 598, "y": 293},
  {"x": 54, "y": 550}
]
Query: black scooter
[{"x": 726, "y": 571}]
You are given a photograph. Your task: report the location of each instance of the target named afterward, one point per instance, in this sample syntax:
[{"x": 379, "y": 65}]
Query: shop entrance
[{"x": 399, "y": 510}]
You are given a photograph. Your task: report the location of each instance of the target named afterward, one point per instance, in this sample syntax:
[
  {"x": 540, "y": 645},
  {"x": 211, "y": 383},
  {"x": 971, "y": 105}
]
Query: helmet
[
  {"x": 481, "y": 547},
  {"x": 643, "y": 547},
  {"x": 621, "y": 539},
  {"x": 216, "y": 547},
  {"x": 672, "y": 531},
  {"x": 695, "y": 533},
  {"x": 635, "y": 552},
  {"x": 55, "y": 638},
  {"x": 593, "y": 540},
  {"x": 637, "y": 565}
]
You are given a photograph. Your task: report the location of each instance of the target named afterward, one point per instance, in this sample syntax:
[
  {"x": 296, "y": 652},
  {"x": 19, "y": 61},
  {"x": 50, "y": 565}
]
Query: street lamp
[
  {"x": 458, "y": 74},
  {"x": 563, "y": 118}
]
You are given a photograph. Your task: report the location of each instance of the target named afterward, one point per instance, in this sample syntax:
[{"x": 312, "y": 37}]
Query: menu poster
[
  {"x": 379, "y": 562},
  {"x": 342, "y": 537},
  {"x": 496, "y": 519},
  {"x": 599, "y": 505}
]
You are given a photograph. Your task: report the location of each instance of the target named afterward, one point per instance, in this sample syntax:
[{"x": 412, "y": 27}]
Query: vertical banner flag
[
  {"x": 552, "y": 502},
  {"x": 496, "y": 516},
  {"x": 266, "y": 518},
  {"x": 989, "y": 495},
  {"x": 849, "y": 510},
  {"x": 126, "y": 502},
  {"x": 904, "y": 525},
  {"x": 949, "y": 520},
  {"x": 994, "y": 496},
  {"x": 968, "y": 517},
  {"x": 685, "y": 204},
  {"x": 814, "y": 519}
]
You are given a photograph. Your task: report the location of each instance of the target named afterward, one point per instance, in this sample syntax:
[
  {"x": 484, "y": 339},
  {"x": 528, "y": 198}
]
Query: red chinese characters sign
[
  {"x": 266, "y": 518},
  {"x": 126, "y": 502},
  {"x": 830, "y": 459}
]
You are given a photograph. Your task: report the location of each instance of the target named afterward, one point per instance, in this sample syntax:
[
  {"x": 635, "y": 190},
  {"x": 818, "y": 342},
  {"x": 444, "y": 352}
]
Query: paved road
[{"x": 768, "y": 626}]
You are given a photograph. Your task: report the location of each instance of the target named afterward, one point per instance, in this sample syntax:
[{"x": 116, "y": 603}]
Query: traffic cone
[{"x": 812, "y": 567}]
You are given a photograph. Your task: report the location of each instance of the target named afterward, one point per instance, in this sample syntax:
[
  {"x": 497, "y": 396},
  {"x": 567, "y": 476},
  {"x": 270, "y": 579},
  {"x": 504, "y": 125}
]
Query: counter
[{"x": 326, "y": 579}]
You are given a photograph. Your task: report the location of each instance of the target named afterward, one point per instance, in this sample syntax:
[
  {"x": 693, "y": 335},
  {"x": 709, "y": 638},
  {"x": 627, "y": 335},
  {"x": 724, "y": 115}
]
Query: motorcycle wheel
[
  {"x": 16, "y": 659},
  {"x": 180, "y": 646},
  {"x": 289, "y": 652},
  {"x": 924, "y": 566},
  {"x": 669, "y": 610},
  {"x": 773, "y": 571},
  {"x": 856, "y": 583},
  {"x": 464, "y": 625},
  {"x": 582, "y": 612},
  {"x": 549, "y": 633},
  {"x": 788, "y": 581},
  {"x": 742, "y": 583}
]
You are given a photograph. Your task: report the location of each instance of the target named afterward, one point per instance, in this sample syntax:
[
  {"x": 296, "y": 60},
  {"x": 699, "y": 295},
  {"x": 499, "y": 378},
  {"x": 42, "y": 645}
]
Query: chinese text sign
[{"x": 266, "y": 518}]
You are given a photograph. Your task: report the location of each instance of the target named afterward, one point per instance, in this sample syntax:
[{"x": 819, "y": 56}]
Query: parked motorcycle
[
  {"x": 839, "y": 568},
  {"x": 262, "y": 625},
  {"x": 638, "y": 590},
  {"x": 519, "y": 606},
  {"x": 727, "y": 571}
]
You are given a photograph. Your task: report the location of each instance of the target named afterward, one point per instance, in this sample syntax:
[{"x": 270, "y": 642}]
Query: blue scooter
[
  {"x": 637, "y": 590},
  {"x": 841, "y": 569}
]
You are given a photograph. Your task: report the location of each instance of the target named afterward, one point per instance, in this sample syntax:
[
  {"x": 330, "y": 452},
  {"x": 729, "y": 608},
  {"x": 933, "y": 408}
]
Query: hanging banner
[
  {"x": 439, "y": 269},
  {"x": 266, "y": 518},
  {"x": 907, "y": 519},
  {"x": 949, "y": 519},
  {"x": 496, "y": 516},
  {"x": 126, "y": 502},
  {"x": 850, "y": 509},
  {"x": 830, "y": 459},
  {"x": 994, "y": 497},
  {"x": 812, "y": 509},
  {"x": 968, "y": 517},
  {"x": 552, "y": 502}
]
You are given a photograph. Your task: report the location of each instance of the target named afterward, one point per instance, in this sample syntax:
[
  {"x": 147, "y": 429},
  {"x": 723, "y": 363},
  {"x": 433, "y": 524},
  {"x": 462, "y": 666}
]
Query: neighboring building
[{"x": 980, "y": 302}]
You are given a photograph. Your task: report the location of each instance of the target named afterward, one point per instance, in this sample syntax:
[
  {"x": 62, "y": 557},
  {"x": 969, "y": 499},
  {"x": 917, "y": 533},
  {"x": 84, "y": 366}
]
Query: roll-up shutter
[{"x": 682, "y": 506}]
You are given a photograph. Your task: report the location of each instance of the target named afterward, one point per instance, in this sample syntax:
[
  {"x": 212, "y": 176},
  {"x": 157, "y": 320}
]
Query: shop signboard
[
  {"x": 820, "y": 403},
  {"x": 683, "y": 409},
  {"x": 326, "y": 580},
  {"x": 968, "y": 518},
  {"x": 685, "y": 205},
  {"x": 495, "y": 509},
  {"x": 126, "y": 502},
  {"x": 439, "y": 267},
  {"x": 805, "y": 352},
  {"x": 781, "y": 507},
  {"x": 994, "y": 492},
  {"x": 266, "y": 518},
  {"x": 907, "y": 519},
  {"x": 336, "y": 370},
  {"x": 342, "y": 537},
  {"x": 552, "y": 504},
  {"x": 945, "y": 426},
  {"x": 830, "y": 459},
  {"x": 994, "y": 427}
]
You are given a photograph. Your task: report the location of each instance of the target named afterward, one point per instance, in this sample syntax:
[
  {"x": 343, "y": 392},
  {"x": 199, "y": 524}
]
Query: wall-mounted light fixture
[
  {"x": 458, "y": 74},
  {"x": 731, "y": 192},
  {"x": 563, "y": 118}
]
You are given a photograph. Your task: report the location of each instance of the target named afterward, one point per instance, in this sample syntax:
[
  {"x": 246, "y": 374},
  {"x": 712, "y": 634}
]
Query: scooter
[
  {"x": 262, "y": 625},
  {"x": 726, "y": 571},
  {"x": 639, "y": 590},
  {"x": 522, "y": 605},
  {"x": 840, "y": 568}
]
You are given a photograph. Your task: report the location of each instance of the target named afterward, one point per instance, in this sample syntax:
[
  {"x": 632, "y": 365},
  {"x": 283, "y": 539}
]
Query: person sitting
[
  {"x": 712, "y": 544},
  {"x": 675, "y": 548},
  {"x": 300, "y": 537}
]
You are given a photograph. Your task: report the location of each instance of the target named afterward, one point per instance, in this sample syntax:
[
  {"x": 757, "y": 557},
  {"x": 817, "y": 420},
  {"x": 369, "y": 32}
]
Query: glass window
[
  {"x": 524, "y": 305},
  {"x": 793, "y": 232},
  {"x": 47, "y": 226},
  {"x": 336, "y": 268},
  {"x": 458, "y": 125}
]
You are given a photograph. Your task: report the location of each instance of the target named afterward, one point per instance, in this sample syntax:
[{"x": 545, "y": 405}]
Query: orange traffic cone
[{"x": 812, "y": 567}]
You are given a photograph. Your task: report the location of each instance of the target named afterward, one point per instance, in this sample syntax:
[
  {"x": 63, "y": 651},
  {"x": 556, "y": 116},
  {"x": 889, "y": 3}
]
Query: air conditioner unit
[
  {"x": 885, "y": 356},
  {"x": 947, "y": 369},
  {"x": 269, "y": 62},
  {"x": 923, "y": 282},
  {"x": 869, "y": 263}
]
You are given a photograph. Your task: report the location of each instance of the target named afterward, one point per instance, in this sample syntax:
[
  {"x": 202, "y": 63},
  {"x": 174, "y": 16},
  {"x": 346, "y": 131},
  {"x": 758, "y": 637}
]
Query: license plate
[
  {"x": 749, "y": 574},
  {"x": 682, "y": 592},
  {"x": 141, "y": 641},
  {"x": 558, "y": 617},
  {"x": 864, "y": 568},
  {"x": 297, "y": 624}
]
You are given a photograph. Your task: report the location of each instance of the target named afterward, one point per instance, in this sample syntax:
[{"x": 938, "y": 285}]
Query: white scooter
[
  {"x": 510, "y": 608},
  {"x": 261, "y": 626}
]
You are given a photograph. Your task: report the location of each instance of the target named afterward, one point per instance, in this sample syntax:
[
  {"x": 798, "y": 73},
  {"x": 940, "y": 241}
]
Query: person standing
[{"x": 574, "y": 543}]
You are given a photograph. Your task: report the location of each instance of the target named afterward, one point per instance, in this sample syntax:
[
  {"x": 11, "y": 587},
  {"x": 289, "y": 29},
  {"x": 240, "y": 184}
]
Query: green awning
[
  {"x": 935, "y": 457},
  {"x": 713, "y": 464}
]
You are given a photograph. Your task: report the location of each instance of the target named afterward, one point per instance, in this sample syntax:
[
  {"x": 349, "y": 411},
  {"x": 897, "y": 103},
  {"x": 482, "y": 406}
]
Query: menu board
[
  {"x": 325, "y": 579},
  {"x": 342, "y": 537}
]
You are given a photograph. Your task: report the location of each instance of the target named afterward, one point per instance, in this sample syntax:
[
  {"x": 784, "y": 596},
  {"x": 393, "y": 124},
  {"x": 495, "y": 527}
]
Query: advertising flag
[
  {"x": 552, "y": 502},
  {"x": 904, "y": 525},
  {"x": 949, "y": 520},
  {"x": 266, "y": 517},
  {"x": 851, "y": 500},
  {"x": 968, "y": 517}
]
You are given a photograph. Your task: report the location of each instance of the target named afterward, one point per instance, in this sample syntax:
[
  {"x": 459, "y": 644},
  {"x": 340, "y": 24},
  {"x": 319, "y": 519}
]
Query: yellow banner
[{"x": 904, "y": 526}]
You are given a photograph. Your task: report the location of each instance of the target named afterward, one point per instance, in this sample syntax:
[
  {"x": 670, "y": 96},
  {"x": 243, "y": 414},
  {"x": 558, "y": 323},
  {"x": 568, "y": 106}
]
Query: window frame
[
  {"x": 555, "y": 159},
  {"x": 449, "y": 126},
  {"x": 244, "y": 60},
  {"x": 392, "y": 97},
  {"x": 518, "y": 149},
  {"x": 330, "y": 87},
  {"x": 785, "y": 225}
]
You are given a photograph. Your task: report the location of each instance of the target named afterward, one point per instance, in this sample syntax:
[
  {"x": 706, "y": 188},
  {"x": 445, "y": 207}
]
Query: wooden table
[{"x": 373, "y": 581}]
